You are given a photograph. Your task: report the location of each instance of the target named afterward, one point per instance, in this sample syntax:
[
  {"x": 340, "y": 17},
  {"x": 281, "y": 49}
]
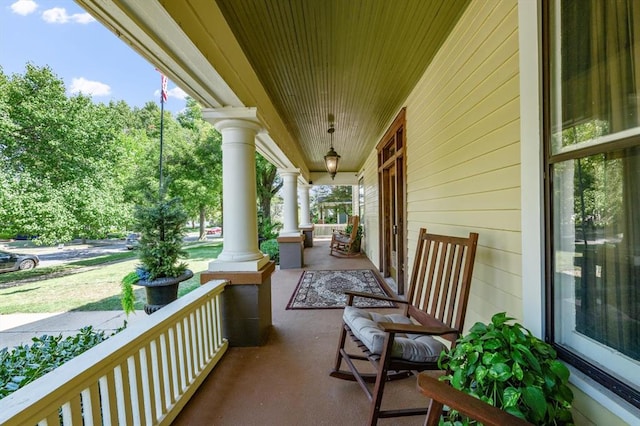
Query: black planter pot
[{"x": 162, "y": 291}]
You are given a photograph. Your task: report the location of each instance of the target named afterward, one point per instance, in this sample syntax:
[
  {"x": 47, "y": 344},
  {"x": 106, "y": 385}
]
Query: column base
[
  {"x": 246, "y": 305},
  {"x": 291, "y": 252},
  {"x": 240, "y": 266},
  {"x": 307, "y": 231}
]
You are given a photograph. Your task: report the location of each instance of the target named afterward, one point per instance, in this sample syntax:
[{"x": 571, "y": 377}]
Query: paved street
[{"x": 63, "y": 253}]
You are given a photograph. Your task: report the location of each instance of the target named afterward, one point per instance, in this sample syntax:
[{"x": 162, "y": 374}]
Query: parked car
[
  {"x": 17, "y": 262},
  {"x": 216, "y": 231},
  {"x": 132, "y": 241}
]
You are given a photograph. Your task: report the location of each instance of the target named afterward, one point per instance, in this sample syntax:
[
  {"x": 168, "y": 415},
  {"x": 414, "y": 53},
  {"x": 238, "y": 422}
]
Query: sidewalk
[{"x": 18, "y": 329}]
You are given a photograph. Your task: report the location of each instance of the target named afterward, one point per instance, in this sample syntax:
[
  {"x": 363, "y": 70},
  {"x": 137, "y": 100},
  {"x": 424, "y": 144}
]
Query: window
[{"x": 592, "y": 133}]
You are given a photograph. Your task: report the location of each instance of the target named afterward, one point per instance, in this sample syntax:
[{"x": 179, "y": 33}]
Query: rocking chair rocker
[{"x": 400, "y": 344}]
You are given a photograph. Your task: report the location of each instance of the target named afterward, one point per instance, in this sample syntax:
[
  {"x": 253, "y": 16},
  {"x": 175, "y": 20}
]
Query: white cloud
[
  {"x": 24, "y": 7},
  {"x": 59, "y": 15},
  {"x": 90, "y": 88},
  {"x": 177, "y": 93},
  {"x": 82, "y": 18}
]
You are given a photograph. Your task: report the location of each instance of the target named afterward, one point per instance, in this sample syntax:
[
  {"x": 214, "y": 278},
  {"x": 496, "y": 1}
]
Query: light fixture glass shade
[{"x": 331, "y": 162}]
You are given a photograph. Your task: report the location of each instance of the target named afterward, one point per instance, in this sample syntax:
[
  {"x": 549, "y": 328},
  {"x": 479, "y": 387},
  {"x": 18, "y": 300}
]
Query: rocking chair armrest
[
  {"x": 374, "y": 296},
  {"x": 417, "y": 329}
]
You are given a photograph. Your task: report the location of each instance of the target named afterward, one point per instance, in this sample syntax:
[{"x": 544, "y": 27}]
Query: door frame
[{"x": 391, "y": 153}]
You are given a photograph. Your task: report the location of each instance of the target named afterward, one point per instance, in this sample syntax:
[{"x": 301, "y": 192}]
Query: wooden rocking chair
[
  {"x": 343, "y": 244},
  {"x": 400, "y": 344}
]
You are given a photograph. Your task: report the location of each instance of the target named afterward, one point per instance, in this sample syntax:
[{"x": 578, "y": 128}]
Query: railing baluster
[
  {"x": 134, "y": 381},
  {"x": 188, "y": 339},
  {"x": 172, "y": 364},
  {"x": 91, "y": 405},
  {"x": 108, "y": 399},
  {"x": 165, "y": 382}
]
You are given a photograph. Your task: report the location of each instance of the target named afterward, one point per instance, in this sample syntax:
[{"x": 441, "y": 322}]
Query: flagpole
[{"x": 163, "y": 95}]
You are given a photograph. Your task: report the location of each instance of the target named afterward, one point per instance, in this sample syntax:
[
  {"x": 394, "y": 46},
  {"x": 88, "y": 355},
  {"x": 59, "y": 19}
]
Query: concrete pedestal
[
  {"x": 291, "y": 251},
  {"x": 307, "y": 231},
  {"x": 246, "y": 305}
]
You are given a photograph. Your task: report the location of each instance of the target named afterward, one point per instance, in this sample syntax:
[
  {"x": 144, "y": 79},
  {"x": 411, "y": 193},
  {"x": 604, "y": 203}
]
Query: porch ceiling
[{"x": 303, "y": 63}]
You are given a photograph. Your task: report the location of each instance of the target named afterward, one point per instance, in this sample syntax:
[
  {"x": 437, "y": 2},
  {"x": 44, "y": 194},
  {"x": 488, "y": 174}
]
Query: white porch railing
[
  {"x": 143, "y": 375},
  {"x": 326, "y": 229}
]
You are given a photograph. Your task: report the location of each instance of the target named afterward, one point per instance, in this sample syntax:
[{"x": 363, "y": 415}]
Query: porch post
[
  {"x": 246, "y": 303},
  {"x": 240, "y": 213},
  {"x": 305, "y": 215},
  {"x": 290, "y": 241},
  {"x": 290, "y": 190},
  {"x": 305, "y": 211}
]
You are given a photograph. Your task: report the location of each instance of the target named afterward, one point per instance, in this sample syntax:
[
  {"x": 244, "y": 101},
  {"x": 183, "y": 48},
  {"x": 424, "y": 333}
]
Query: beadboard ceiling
[{"x": 350, "y": 63}]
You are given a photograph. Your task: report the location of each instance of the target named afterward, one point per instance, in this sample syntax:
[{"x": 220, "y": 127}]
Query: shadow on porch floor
[{"x": 286, "y": 381}]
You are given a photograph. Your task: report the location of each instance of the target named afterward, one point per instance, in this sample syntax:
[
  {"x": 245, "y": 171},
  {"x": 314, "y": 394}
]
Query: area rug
[{"x": 325, "y": 290}]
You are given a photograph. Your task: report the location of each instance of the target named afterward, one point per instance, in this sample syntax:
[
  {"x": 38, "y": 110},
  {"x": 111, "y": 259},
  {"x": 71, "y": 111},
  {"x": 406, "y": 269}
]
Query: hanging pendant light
[{"x": 332, "y": 157}]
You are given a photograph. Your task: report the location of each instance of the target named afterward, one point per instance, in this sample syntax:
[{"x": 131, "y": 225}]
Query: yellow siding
[
  {"x": 463, "y": 152},
  {"x": 463, "y": 164}
]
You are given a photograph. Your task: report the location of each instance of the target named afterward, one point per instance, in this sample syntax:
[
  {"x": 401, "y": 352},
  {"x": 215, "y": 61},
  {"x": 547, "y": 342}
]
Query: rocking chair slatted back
[
  {"x": 439, "y": 289},
  {"x": 436, "y": 305}
]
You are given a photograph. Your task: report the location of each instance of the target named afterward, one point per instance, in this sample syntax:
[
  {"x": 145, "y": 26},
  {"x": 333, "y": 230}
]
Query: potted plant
[
  {"x": 162, "y": 230},
  {"x": 506, "y": 366}
]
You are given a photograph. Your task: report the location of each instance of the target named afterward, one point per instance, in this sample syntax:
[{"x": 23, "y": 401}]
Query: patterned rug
[{"x": 325, "y": 290}]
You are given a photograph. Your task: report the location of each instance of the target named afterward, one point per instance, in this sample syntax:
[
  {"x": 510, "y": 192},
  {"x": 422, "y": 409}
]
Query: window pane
[
  {"x": 597, "y": 260},
  {"x": 594, "y": 71}
]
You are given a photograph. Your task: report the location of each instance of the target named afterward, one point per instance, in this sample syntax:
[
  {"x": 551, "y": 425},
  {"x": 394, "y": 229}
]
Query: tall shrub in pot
[{"x": 162, "y": 230}]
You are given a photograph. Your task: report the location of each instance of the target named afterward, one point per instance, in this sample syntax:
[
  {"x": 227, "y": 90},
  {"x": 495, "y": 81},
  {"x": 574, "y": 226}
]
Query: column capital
[
  {"x": 289, "y": 172},
  {"x": 233, "y": 117}
]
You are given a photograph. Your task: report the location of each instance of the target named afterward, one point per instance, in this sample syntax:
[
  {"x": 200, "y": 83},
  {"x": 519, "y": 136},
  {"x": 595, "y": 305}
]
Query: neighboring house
[{"x": 524, "y": 127}]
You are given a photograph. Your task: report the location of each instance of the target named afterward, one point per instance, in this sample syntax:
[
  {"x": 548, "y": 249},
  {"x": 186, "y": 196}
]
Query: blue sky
[{"x": 79, "y": 50}]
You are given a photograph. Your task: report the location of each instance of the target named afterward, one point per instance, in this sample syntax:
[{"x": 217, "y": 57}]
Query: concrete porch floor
[{"x": 286, "y": 381}]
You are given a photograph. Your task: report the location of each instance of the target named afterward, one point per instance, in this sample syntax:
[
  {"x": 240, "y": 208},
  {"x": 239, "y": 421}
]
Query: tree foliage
[
  {"x": 60, "y": 157},
  {"x": 268, "y": 184},
  {"x": 70, "y": 167}
]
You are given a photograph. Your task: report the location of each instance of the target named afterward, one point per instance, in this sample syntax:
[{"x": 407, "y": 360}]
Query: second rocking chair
[
  {"x": 346, "y": 244},
  {"x": 400, "y": 344}
]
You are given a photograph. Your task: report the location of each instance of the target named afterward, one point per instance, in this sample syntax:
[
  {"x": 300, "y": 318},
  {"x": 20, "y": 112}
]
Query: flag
[{"x": 163, "y": 92}]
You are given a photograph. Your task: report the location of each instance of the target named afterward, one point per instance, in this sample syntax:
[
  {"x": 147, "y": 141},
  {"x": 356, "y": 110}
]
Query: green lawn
[{"x": 92, "y": 289}]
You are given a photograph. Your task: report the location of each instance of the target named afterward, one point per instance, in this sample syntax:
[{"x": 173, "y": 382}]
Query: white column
[
  {"x": 305, "y": 211},
  {"x": 240, "y": 225},
  {"x": 290, "y": 195},
  {"x": 355, "y": 201}
]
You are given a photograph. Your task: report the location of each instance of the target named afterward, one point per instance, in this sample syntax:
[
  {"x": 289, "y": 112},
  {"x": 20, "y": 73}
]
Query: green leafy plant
[
  {"x": 349, "y": 228},
  {"x": 267, "y": 229},
  {"x": 271, "y": 248},
  {"x": 506, "y": 366},
  {"x": 128, "y": 298},
  {"x": 25, "y": 363}
]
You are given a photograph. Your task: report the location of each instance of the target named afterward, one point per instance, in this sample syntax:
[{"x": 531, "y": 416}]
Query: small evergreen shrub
[{"x": 271, "y": 248}]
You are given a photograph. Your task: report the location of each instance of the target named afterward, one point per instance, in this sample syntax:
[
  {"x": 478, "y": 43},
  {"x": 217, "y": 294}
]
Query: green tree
[
  {"x": 197, "y": 167},
  {"x": 268, "y": 184},
  {"x": 59, "y": 155}
]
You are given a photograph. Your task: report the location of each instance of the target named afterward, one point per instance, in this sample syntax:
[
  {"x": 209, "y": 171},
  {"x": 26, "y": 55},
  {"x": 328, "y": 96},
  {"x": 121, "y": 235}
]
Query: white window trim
[
  {"x": 531, "y": 179},
  {"x": 532, "y": 200}
]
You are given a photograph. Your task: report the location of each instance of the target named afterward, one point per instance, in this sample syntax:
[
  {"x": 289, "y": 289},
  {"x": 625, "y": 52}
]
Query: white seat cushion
[{"x": 410, "y": 347}]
